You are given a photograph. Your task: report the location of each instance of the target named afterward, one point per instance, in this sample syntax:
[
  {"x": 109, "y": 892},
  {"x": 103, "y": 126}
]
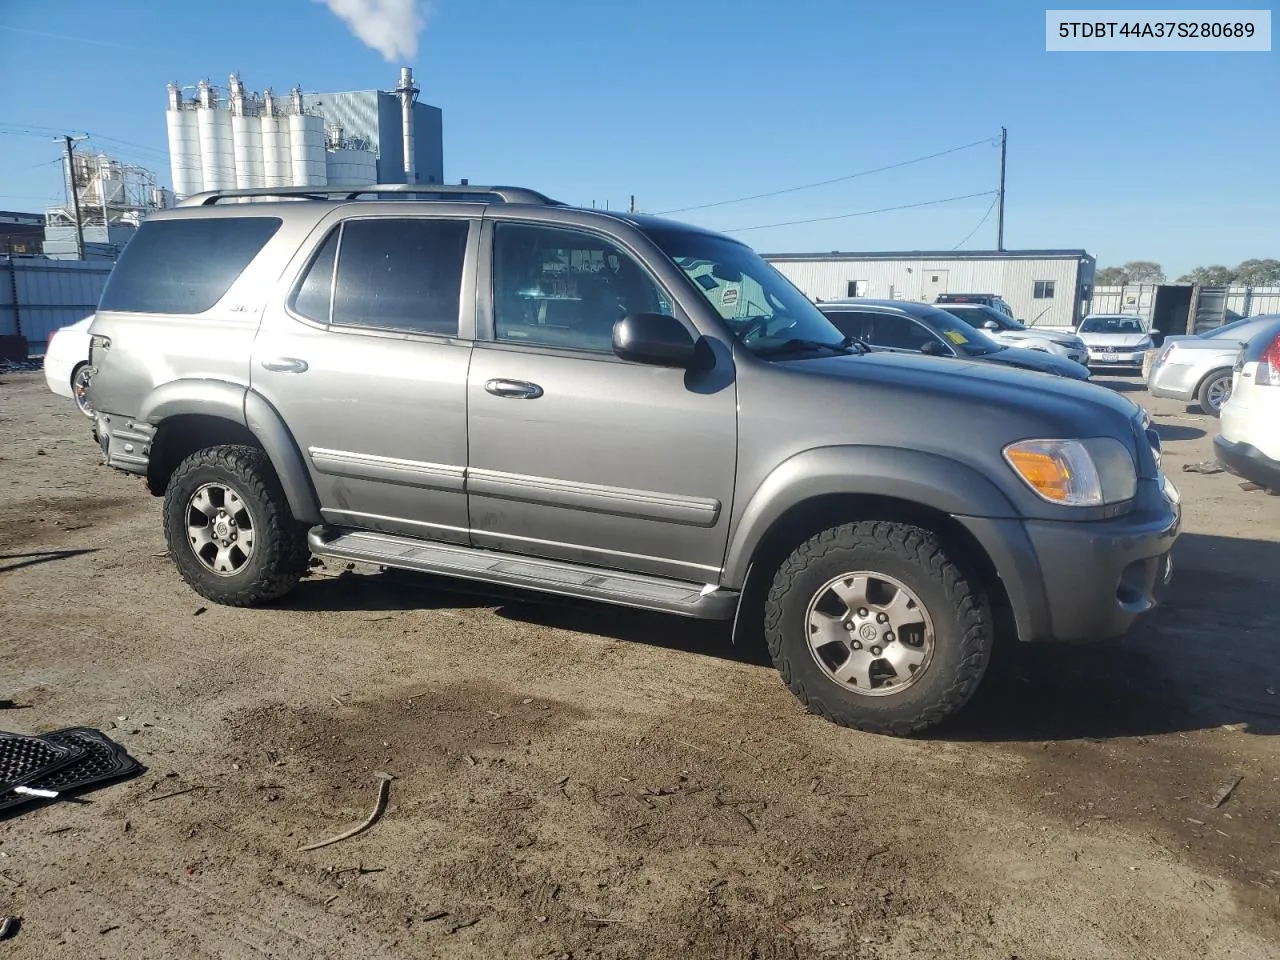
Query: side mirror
[
  {"x": 654, "y": 338},
  {"x": 991, "y": 325},
  {"x": 934, "y": 348}
]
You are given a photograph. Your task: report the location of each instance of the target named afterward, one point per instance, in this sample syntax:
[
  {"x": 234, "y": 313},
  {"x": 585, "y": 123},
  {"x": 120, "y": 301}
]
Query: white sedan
[
  {"x": 1115, "y": 339},
  {"x": 1012, "y": 333},
  {"x": 66, "y": 363},
  {"x": 1249, "y": 443}
]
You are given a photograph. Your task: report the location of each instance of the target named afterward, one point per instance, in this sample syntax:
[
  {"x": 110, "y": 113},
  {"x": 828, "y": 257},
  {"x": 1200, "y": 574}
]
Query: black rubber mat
[
  {"x": 99, "y": 759},
  {"x": 24, "y": 758}
]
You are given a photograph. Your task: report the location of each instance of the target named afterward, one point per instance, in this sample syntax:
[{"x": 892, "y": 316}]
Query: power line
[
  {"x": 823, "y": 183},
  {"x": 862, "y": 213},
  {"x": 63, "y": 36},
  {"x": 994, "y": 201}
]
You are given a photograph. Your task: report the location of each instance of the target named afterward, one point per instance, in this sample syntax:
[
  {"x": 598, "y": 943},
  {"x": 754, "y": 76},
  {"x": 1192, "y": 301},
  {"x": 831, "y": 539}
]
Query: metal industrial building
[
  {"x": 234, "y": 139},
  {"x": 1044, "y": 287}
]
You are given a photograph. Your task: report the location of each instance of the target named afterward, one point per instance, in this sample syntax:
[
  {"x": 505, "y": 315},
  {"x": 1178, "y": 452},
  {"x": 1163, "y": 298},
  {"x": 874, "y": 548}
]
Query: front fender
[{"x": 921, "y": 478}]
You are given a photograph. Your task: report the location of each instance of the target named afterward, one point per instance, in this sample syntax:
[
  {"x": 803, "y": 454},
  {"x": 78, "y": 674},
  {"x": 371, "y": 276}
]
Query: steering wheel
[{"x": 754, "y": 325}]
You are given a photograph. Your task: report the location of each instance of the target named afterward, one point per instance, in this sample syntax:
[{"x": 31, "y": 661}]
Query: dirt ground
[{"x": 576, "y": 781}]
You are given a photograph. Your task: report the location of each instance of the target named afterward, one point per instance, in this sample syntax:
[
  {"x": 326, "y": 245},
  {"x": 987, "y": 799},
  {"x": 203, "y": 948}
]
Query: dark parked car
[{"x": 903, "y": 325}]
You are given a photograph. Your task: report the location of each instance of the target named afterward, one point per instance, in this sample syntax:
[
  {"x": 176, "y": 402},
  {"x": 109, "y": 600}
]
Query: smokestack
[{"x": 408, "y": 93}]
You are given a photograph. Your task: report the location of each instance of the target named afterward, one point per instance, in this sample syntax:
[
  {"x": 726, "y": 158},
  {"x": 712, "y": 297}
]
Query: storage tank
[
  {"x": 184, "y": 146},
  {"x": 247, "y": 134},
  {"x": 345, "y": 166},
  {"x": 306, "y": 148},
  {"x": 277, "y": 169},
  {"x": 217, "y": 157}
]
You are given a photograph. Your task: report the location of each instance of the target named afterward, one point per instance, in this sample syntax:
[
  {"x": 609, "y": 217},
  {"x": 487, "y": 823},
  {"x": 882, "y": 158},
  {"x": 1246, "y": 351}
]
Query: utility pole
[
  {"x": 1000, "y": 196},
  {"x": 68, "y": 147},
  {"x": 633, "y": 203}
]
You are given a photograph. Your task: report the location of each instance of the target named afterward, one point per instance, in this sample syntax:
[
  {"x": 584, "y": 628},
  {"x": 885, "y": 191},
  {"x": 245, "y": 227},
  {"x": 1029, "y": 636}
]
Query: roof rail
[{"x": 420, "y": 191}]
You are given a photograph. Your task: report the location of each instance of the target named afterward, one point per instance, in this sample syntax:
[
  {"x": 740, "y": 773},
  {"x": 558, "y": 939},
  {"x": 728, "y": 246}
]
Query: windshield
[
  {"x": 966, "y": 339},
  {"x": 977, "y": 314},
  {"x": 1112, "y": 325},
  {"x": 760, "y": 307}
]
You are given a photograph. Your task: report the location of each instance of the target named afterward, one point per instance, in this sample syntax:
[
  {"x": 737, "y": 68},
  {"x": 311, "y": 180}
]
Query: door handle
[
  {"x": 285, "y": 365},
  {"x": 515, "y": 389}
]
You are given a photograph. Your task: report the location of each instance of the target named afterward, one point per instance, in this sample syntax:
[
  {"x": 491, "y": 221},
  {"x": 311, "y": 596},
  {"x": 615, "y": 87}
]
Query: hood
[
  {"x": 1039, "y": 361},
  {"x": 1113, "y": 339},
  {"x": 964, "y": 387}
]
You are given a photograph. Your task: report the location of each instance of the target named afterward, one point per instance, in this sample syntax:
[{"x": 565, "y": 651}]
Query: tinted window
[
  {"x": 1044, "y": 290},
  {"x": 895, "y": 330},
  {"x": 563, "y": 288},
  {"x": 846, "y": 321},
  {"x": 184, "y": 266},
  {"x": 400, "y": 275},
  {"x": 314, "y": 294}
]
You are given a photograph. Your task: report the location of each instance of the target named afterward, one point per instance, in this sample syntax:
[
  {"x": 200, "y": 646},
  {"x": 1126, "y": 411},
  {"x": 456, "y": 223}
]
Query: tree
[
  {"x": 1258, "y": 273},
  {"x": 1110, "y": 277},
  {"x": 1215, "y": 276},
  {"x": 1144, "y": 271}
]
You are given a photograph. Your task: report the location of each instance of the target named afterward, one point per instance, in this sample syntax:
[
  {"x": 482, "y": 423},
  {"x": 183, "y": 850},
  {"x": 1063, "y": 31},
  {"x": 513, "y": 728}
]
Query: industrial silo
[
  {"x": 217, "y": 155},
  {"x": 246, "y": 133},
  {"x": 306, "y": 144},
  {"x": 277, "y": 167},
  {"x": 184, "y": 146}
]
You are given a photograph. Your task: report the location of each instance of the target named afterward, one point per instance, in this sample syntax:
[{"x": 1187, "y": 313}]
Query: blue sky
[{"x": 1171, "y": 157}]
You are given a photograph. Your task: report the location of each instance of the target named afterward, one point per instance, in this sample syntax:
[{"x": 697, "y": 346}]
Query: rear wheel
[
  {"x": 873, "y": 626},
  {"x": 1214, "y": 392},
  {"x": 229, "y": 528},
  {"x": 80, "y": 378}
]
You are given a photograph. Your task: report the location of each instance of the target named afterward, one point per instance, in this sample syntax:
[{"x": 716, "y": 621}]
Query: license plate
[{"x": 1105, "y": 358}]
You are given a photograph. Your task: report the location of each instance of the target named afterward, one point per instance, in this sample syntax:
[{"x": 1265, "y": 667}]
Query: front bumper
[
  {"x": 1071, "y": 582},
  {"x": 1129, "y": 358},
  {"x": 1246, "y": 460}
]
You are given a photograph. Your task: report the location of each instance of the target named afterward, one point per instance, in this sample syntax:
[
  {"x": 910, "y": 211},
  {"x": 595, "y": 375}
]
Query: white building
[{"x": 1044, "y": 287}]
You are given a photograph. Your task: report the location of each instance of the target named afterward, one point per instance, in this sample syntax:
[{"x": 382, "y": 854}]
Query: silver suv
[{"x": 483, "y": 383}]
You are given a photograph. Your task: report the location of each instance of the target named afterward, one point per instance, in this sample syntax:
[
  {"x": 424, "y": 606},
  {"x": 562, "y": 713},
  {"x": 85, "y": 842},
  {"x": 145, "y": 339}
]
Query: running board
[{"x": 513, "y": 570}]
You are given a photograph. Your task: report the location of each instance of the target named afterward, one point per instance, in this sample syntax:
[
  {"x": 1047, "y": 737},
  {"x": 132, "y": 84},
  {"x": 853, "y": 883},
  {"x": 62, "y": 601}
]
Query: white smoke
[{"x": 389, "y": 26}]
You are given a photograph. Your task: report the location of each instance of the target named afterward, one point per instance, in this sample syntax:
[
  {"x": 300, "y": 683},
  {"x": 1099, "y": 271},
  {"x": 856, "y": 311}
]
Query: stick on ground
[{"x": 384, "y": 791}]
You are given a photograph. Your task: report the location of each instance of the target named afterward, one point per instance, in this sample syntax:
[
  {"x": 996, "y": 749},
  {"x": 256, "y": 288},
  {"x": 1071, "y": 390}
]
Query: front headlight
[{"x": 1075, "y": 473}]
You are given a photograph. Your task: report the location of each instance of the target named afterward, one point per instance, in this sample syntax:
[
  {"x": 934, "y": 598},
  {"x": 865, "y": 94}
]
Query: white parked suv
[
  {"x": 1249, "y": 443},
  {"x": 1012, "y": 333}
]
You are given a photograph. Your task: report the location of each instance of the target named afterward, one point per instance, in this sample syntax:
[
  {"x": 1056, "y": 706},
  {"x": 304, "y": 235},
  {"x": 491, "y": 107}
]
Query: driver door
[{"x": 575, "y": 454}]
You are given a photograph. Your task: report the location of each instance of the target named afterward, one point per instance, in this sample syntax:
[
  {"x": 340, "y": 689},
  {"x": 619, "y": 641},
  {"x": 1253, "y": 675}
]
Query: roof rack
[{"x": 419, "y": 191}]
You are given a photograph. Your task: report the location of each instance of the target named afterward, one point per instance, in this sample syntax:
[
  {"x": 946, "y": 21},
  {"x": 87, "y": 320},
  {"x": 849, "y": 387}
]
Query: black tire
[
  {"x": 963, "y": 635},
  {"x": 1202, "y": 395},
  {"x": 279, "y": 555}
]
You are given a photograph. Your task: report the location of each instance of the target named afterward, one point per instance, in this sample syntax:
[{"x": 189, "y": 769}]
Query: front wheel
[
  {"x": 229, "y": 528},
  {"x": 873, "y": 626},
  {"x": 1215, "y": 392}
]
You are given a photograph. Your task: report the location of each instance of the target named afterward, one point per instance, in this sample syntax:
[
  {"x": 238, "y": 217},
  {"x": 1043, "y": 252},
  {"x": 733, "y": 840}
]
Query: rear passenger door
[{"x": 365, "y": 356}]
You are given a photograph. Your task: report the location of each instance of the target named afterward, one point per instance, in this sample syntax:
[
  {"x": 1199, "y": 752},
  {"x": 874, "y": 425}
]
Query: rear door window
[
  {"x": 399, "y": 274},
  {"x": 184, "y": 266}
]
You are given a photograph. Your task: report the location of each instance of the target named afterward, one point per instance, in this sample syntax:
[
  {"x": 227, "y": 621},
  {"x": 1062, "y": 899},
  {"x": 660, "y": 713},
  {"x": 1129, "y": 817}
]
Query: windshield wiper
[{"x": 799, "y": 345}]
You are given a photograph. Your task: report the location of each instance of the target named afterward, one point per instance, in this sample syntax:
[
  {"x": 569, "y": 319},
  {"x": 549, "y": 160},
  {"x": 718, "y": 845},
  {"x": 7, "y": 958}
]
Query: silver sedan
[{"x": 1198, "y": 368}]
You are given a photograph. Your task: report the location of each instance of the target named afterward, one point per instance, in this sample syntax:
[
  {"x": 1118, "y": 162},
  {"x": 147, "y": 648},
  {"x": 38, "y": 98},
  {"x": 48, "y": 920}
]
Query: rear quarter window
[{"x": 184, "y": 266}]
